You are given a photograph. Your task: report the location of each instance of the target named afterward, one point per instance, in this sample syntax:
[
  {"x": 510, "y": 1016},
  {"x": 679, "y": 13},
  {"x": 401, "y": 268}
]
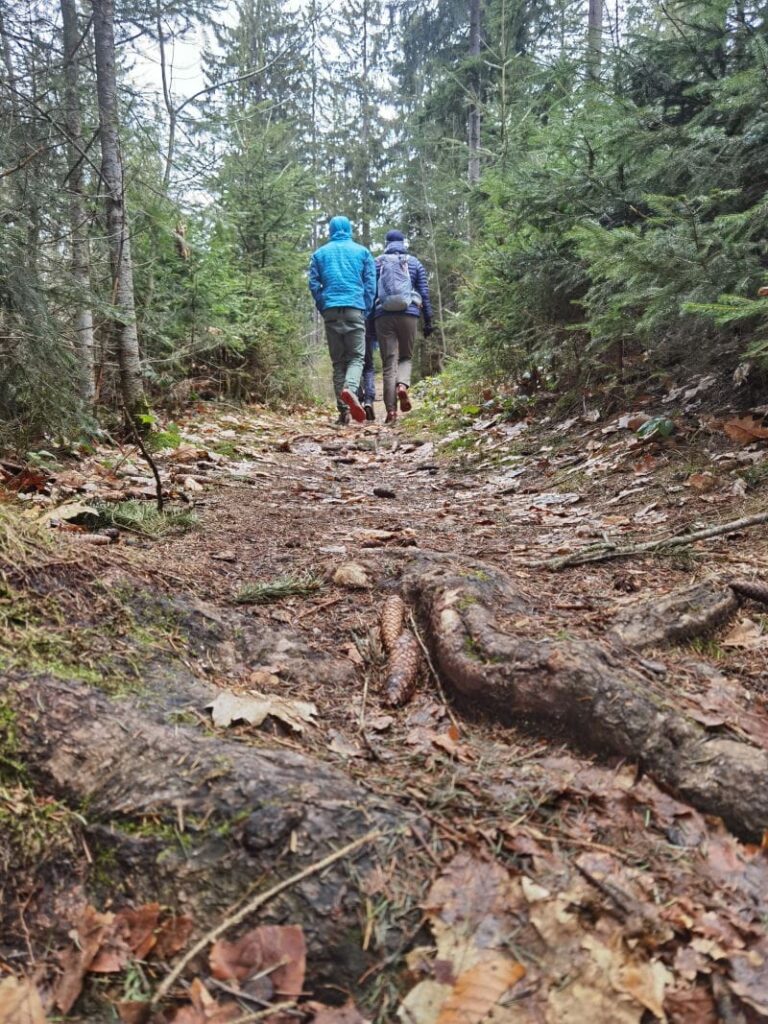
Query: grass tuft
[
  {"x": 143, "y": 517},
  {"x": 292, "y": 585}
]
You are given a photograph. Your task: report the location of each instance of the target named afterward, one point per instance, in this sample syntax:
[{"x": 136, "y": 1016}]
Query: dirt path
[{"x": 614, "y": 901}]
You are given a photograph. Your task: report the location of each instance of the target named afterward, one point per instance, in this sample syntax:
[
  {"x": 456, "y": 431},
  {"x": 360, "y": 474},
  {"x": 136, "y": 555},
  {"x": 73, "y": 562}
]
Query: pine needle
[
  {"x": 292, "y": 585},
  {"x": 143, "y": 517}
]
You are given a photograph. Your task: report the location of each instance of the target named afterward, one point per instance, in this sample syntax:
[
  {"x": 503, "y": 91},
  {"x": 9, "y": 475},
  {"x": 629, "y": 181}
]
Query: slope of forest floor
[{"x": 538, "y": 884}]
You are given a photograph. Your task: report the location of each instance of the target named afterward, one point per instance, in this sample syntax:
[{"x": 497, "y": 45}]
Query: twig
[
  {"x": 263, "y": 1014},
  {"x": 433, "y": 670},
  {"x": 258, "y": 901},
  {"x": 676, "y": 541},
  {"x": 147, "y": 457}
]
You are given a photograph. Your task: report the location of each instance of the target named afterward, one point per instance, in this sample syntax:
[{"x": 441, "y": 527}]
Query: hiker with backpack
[
  {"x": 402, "y": 297},
  {"x": 342, "y": 279}
]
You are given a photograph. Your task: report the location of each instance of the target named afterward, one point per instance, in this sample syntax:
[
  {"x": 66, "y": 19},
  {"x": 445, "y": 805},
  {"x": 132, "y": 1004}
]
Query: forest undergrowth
[{"x": 198, "y": 742}]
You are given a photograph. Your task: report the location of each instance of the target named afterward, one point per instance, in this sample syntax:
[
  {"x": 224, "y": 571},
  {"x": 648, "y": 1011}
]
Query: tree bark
[
  {"x": 582, "y": 692},
  {"x": 594, "y": 38},
  {"x": 473, "y": 173},
  {"x": 194, "y": 822},
  {"x": 81, "y": 259},
  {"x": 124, "y": 325}
]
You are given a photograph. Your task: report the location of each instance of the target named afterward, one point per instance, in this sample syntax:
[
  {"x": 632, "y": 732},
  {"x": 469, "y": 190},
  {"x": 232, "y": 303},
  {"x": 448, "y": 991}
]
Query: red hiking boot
[
  {"x": 403, "y": 399},
  {"x": 356, "y": 411}
]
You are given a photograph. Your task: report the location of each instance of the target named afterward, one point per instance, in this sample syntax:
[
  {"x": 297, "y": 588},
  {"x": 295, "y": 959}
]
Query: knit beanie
[{"x": 395, "y": 236}]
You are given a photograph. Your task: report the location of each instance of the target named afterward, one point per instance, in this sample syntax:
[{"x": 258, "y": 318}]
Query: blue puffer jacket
[
  {"x": 342, "y": 273},
  {"x": 418, "y": 282}
]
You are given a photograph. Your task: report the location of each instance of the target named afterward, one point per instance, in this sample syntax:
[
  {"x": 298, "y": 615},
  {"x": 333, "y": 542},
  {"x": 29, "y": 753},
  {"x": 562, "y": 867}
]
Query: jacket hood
[
  {"x": 339, "y": 229},
  {"x": 397, "y": 247}
]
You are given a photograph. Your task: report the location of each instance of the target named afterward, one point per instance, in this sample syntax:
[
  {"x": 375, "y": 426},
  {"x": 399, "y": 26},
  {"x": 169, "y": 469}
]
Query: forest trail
[{"x": 518, "y": 879}]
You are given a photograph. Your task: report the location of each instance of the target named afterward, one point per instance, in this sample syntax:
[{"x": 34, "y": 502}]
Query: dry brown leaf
[
  {"x": 691, "y": 1006},
  {"x": 479, "y": 989},
  {"x": 172, "y": 935},
  {"x": 232, "y": 707},
  {"x": 745, "y": 430},
  {"x": 278, "y": 950},
  {"x": 702, "y": 482},
  {"x": 352, "y": 576},
  {"x": 20, "y": 1002},
  {"x": 745, "y": 634},
  {"x": 749, "y": 971},
  {"x": 204, "y": 1009},
  {"x": 90, "y": 933}
]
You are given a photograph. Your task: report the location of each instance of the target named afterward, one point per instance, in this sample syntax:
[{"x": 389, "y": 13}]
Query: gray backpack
[{"x": 395, "y": 293}]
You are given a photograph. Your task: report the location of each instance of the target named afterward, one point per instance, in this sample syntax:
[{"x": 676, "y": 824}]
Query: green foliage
[
  {"x": 143, "y": 517},
  {"x": 292, "y": 585}
]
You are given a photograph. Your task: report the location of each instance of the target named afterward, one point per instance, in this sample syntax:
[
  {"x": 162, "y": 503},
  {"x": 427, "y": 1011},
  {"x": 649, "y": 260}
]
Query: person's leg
[
  {"x": 369, "y": 374},
  {"x": 406, "y": 338},
  {"x": 338, "y": 358},
  {"x": 354, "y": 351},
  {"x": 386, "y": 332}
]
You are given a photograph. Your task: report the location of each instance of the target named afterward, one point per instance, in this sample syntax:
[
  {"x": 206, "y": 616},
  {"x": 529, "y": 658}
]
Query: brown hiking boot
[
  {"x": 403, "y": 399},
  {"x": 391, "y": 417}
]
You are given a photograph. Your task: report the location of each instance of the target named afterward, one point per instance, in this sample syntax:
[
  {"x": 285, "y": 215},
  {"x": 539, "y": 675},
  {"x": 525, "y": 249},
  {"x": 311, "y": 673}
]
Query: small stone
[{"x": 384, "y": 492}]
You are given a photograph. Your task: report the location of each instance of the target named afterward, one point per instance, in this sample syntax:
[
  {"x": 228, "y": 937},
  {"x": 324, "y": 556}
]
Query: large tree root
[
  {"x": 580, "y": 691},
  {"x": 198, "y": 822}
]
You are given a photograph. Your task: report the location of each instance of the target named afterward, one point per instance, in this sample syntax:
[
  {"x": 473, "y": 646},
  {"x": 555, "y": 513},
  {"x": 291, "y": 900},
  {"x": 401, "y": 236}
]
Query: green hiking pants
[{"x": 345, "y": 331}]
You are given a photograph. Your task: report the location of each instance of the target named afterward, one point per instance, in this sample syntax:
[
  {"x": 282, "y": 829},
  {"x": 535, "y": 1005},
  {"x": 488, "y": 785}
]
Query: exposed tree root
[
  {"x": 680, "y": 615},
  {"x": 583, "y": 692},
  {"x": 195, "y": 822}
]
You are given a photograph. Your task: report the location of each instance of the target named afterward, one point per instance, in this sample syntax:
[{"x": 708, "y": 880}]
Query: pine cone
[
  {"x": 402, "y": 670},
  {"x": 392, "y": 615}
]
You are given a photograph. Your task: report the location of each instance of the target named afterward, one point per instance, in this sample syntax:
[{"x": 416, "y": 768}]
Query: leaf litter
[{"x": 597, "y": 896}]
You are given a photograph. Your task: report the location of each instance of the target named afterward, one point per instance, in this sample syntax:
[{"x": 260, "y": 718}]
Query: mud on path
[{"x": 513, "y": 877}]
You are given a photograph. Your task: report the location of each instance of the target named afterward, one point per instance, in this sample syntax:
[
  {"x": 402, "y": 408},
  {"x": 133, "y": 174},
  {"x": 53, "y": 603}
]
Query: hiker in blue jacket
[
  {"x": 342, "y": 279},
  {"x": 402, "y": 296}
]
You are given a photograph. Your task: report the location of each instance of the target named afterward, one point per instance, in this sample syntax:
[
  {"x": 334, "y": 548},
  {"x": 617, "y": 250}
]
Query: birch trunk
[
  {"x": 594, "y": 38},
  {"x": 80, "y": 250},
  {"x": 124, "y": 323}
]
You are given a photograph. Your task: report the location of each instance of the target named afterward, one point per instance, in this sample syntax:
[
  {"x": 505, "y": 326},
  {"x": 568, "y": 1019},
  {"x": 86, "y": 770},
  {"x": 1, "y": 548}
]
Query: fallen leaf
[
  {"x": 20, "y": 1002},
  {"x": 71, "y": 511},
  {"x": 204, "y": 1009},
  {"x": 749, "y": 971},
  {"x": 745, "y": 634},
  {"x": 276, "y": 950},
  {"x": 479, "y": 989},
  {"x": 231, "y": 707},
  {"x": 351, "y": 575},
  {"x": 745, "y": 430},
  {"x": 91, "y": 931},
  {"x": 701, "y": 481},
  {"x": 691, "y": 1006},
  {"x": 339, "y": 744}
]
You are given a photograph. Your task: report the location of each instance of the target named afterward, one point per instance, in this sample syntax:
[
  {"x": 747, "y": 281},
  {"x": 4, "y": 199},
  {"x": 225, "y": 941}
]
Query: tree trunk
[
  {"x": 583, "y": 692},
  {"x": 594, "y": 38},
  {"x": 195, "y": 822},
  {"x": 123, "y": 326},
  {"x": 81, "y": 260},
  {"x": 473, "y": 174}
]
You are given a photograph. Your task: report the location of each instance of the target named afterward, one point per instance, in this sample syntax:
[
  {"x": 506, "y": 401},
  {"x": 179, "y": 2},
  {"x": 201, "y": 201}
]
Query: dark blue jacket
[
  {"x": 419, "y": 284},
  {"x": 342, "y": 273}
]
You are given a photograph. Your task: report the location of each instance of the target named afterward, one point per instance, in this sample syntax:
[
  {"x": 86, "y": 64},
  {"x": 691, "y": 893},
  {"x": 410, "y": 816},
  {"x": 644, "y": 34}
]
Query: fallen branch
[
  {"x": 610, "y": 553},
  {"x": 258, "y": 901}
]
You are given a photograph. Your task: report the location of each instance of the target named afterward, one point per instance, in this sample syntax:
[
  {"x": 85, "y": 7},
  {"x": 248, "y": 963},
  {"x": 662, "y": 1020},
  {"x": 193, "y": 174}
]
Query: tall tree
[
  {"x": 475, "y": 115},
  {"x": 123, "y": 323},
  {"x": 78, "y": 218}
]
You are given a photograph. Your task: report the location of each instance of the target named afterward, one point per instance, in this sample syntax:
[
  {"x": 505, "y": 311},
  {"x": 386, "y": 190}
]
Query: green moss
[
  {"x": 33, "y": 828},
  {"x": 11, "y": 767},
  {"x": 227, "y": 448}
]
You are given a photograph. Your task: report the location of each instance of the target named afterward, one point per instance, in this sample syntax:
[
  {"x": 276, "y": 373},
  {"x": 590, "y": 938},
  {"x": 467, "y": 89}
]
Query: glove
[{"x": 428, "y": 328}]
